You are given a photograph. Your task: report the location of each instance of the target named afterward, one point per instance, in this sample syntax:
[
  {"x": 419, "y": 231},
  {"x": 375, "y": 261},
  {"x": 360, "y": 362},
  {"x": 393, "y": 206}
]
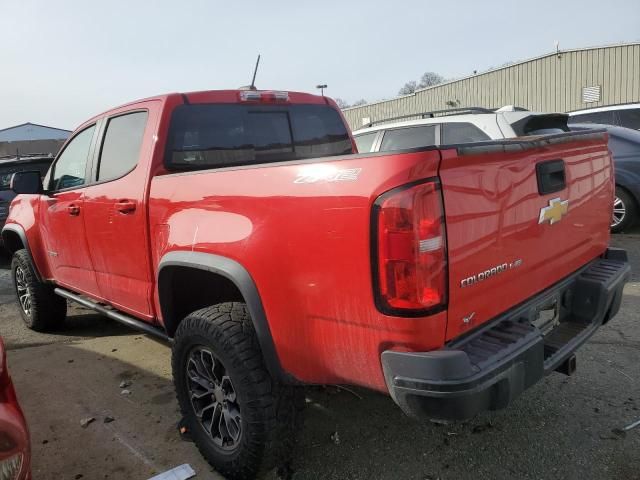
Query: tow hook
[{"x": 568, "y": 367}]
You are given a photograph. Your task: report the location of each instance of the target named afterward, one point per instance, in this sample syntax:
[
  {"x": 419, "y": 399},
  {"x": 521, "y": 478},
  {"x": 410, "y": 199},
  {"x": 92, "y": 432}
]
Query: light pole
[{"x": 321, "y": 87}]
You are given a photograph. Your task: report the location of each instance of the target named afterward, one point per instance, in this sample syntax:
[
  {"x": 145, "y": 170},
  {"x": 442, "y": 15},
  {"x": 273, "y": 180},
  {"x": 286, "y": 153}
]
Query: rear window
[
  {"x": 217, "y": 135},
  {"x": 410, "y": 137}
]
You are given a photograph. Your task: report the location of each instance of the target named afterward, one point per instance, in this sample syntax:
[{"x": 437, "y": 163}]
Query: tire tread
[
  {"x": 271, "y": 410},
  {"x": 48, "y": 310}
]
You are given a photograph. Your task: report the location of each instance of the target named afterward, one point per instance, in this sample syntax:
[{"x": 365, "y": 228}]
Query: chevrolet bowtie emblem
[{"x": 554, "y": 212}]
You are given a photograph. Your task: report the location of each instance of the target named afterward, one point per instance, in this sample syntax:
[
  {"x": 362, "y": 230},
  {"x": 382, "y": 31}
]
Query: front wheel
[
  {"x": 242, "y": 420},
  {"x": 624, "y": 211},
  {"x": 41, "y": 309}
]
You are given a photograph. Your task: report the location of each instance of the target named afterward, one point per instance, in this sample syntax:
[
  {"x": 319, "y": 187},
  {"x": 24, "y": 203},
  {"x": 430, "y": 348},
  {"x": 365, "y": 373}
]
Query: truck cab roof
[{"x": 221, "y": 96}]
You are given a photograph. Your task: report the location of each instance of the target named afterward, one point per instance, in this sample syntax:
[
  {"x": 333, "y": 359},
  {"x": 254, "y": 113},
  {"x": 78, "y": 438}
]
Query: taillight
[
  {"x": 263, "y": 96},
  {"x": 411, "y": 270},
  {"x": 10, "y": 458},
  {"x": 10, "y": 467}
]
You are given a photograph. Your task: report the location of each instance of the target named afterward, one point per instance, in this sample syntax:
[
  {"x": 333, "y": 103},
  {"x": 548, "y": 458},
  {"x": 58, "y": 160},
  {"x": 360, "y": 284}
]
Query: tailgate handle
[{"x": 551, "y": 176}]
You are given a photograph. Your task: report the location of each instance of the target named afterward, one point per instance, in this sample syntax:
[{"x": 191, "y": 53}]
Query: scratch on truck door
[{"x": 193, "y": 242}]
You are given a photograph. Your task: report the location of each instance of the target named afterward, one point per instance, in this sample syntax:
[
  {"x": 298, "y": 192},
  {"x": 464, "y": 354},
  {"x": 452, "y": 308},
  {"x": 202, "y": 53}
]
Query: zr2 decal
[{"x": 328, "y": 175}]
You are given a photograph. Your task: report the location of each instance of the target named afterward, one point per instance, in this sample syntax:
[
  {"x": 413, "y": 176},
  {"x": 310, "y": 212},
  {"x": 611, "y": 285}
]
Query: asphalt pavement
[{"x": 563, "y": 427}]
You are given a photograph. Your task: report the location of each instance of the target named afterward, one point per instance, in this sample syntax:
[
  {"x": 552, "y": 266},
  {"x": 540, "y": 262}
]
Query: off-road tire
[
  {"x": 271, "y": 412},
  {"x": 47, "y": 311}
]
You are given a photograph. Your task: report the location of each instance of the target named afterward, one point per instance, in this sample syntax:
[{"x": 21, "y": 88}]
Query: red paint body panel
[
  {"x": 307, "y": 246},
  {"x": 126, "y": 284},
  {"x": 313, "y": 270},
  {"x": 13, "y": 426},
  {"x": 492, "y": 209},
  {"x": 24, "y": 213},
  {"x": 65, "y": 241}
]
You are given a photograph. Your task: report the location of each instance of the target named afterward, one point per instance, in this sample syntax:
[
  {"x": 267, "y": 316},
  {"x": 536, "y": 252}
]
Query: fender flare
[
  {"x": 241, "y": 278},
  {"x": 18, "y": 230}
]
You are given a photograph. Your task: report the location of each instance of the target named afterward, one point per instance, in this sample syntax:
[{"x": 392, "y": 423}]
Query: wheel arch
[
  {"x": 223, "y": 274},
  {"x": 14, "y": 238},
  {"x": 634, "y": 193}
]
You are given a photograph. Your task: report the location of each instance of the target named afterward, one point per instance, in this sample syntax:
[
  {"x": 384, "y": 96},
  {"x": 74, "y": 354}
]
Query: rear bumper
[{"x": 491, "y": 366}]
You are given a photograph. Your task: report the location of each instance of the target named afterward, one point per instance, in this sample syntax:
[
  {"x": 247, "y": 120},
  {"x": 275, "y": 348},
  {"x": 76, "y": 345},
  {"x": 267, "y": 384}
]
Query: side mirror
[{"x": 26, "y": 182}]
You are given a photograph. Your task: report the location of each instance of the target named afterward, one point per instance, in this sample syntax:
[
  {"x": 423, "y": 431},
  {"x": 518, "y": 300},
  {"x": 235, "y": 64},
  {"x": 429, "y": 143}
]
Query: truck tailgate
[{"x": 513, "y": 227}]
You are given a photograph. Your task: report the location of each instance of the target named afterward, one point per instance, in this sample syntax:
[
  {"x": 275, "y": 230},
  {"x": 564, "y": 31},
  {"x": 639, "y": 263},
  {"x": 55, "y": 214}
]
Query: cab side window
[
  {"x": 70, "y": 168},
  {"x": 121, "y": 145}
]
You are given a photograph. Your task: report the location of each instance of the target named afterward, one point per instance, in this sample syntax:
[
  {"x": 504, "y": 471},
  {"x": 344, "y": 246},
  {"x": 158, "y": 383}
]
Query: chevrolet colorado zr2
[{"x": 244, "y": 226}]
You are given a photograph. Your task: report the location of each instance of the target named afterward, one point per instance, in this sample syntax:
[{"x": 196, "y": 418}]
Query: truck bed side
[{"x": 302, "y": 231}]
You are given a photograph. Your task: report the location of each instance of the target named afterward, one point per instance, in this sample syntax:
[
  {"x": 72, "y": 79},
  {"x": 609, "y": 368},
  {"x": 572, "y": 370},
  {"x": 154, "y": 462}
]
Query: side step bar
[{"x": 114, "y": 315}]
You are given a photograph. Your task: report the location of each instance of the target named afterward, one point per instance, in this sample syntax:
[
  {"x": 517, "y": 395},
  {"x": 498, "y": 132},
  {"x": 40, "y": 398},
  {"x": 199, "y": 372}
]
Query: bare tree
[
  {"x": 342, "y": 103},
  {"x": 408, "y": 88},
  {"x": 429, "y": 79}
]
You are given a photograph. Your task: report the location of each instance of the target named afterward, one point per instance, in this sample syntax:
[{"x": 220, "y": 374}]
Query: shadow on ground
[{"x": 81, "y": 323}]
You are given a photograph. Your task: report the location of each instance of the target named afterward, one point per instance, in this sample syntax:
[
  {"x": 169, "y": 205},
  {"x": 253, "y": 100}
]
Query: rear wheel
[
  {"x": 242, "y": 420},
  {"x": 624, "y": 211},
  {"x": 41, "y": 309}
]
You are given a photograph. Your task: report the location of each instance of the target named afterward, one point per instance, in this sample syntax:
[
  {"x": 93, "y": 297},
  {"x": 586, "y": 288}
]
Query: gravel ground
[{"x": 563, "y": 427}]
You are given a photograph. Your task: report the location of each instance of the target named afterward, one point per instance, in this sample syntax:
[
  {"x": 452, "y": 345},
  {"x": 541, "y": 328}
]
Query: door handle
[
  {"x": 126, "y": 206},
  {"x": 73, "y": 210}
]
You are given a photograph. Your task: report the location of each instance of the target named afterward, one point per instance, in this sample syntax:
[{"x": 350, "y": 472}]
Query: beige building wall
[{"x": 550, "y": 83}]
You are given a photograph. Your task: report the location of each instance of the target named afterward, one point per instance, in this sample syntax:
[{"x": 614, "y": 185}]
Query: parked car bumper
[{"x": 490, "y": 367}]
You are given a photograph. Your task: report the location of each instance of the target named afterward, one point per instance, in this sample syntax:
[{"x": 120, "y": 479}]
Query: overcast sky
[{"x": 63, "y": 61}]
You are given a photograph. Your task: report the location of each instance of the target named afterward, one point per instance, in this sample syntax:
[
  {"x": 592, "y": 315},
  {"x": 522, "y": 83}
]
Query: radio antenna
[{"x": 255, "y": 71}]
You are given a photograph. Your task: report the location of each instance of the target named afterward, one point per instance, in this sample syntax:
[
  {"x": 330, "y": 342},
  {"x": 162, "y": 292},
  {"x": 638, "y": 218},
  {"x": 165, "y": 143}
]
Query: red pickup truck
[{"x": 244, "y": 226}]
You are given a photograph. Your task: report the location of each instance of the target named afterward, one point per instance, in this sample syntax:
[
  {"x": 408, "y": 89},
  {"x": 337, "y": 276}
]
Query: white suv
[{"x": 456, "y": 126}]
